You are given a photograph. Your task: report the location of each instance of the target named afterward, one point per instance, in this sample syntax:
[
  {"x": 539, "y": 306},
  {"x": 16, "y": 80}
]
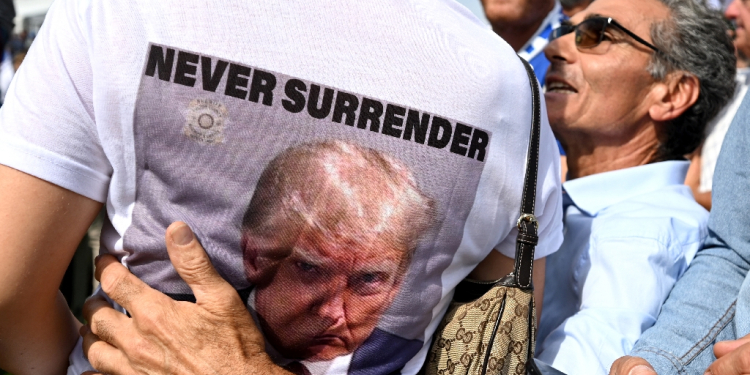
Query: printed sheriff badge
[{"x": 205, "y": 121}]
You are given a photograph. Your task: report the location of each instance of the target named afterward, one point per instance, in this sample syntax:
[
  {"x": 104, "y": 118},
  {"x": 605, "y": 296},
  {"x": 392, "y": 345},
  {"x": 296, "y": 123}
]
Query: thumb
[
  {"x": 733, "y": 363},
  {"x": 722, "y": 348},
  {"x": 642, "y": 370},
  {"x": 630, "y": 365},
  {"x": 194, "y": 266}
]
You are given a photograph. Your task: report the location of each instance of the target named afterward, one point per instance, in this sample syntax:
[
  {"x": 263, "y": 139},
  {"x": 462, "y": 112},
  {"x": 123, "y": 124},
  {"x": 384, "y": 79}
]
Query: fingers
[
  {"x": 628, "y": 365},
  {"x": 642, "y": 370},
  {"x": 736, "y": 362},
  {"x": 722, "y": 348},
  {"x": 104, "y": 321},
  {"x": 194, "y": 266},
  {"x": 124, "y": 287},
  {"x": 102, "y": 356}
]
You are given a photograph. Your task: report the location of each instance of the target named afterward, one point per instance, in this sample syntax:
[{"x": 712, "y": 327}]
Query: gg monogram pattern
[{"x": 465, "y": 335}]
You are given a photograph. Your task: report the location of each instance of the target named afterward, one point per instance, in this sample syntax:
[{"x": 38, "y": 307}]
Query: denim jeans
[{"x": 711, "y": 302}]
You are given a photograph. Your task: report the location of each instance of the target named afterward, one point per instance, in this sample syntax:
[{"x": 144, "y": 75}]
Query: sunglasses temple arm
[{"x": 636, "y": 37}]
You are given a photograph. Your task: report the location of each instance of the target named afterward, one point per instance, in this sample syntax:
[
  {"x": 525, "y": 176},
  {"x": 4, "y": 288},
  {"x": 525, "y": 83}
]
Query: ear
[
  {"x": 261, "y": 260},
  {"x": 250, "y": 260},
  {"x": 678, "y": 92}
]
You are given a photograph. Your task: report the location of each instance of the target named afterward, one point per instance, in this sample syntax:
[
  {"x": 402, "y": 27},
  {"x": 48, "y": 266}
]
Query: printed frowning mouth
[{"x": 329, "y": 340}]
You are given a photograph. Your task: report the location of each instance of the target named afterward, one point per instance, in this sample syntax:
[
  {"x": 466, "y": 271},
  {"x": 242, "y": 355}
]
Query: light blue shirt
[{"x": 629, "y": 235}]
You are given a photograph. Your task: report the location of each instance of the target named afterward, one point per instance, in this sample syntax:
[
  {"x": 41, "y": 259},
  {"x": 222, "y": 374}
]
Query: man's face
[
  {"x": 739, "y": 11},
  {"x": 515, "y": 11},
  {"x": 326, "y": 296},
  {"x": 605, "y": 89}
]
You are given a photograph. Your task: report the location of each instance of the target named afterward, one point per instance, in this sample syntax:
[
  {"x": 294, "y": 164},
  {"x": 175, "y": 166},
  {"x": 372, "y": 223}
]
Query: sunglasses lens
[
  {"x": 589, "y": 33},
  {"x": 560, "y": 31}
]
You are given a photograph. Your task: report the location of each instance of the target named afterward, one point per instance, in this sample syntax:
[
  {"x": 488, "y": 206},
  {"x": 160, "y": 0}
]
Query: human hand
[
  {"x": 628, "y": 365},
  {"x": 733, "y": 357},
  {"x": 215, "y": 335}
]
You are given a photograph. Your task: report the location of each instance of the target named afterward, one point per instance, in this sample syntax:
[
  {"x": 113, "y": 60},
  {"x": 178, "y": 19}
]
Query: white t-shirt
[{"x": 390, "y": 138}]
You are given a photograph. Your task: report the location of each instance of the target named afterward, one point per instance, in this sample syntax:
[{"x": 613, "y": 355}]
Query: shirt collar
[{"x": 591, "y": 194}]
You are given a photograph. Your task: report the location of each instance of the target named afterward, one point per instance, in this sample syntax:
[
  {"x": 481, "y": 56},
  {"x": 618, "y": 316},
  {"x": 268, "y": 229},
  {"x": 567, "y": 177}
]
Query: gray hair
[
  {"x": 693, "y": 40},
  {"x": 345, "y": 193}
]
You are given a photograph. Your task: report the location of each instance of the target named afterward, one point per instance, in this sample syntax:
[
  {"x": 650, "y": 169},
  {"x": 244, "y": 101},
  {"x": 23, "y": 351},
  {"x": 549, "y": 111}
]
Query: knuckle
[
  {"x": 228, "y": 298},
  {"x": 142, "y": 352},
  {"x": 139, "y": 356},
  {"x": 88, "y": 308},
  {"x": 95, "y": 357},
  {"x": 613, "y": 370},
  {"x": 103, "y": 329},
  {"x": 623, "y": 365},
  {"x": 153, "y": 321},
  {"x": 194, "y": 264},
  {"x": 147, "y": 323},
  {"x": 120, "y": 287},
  {"x": 224, "y": 300},
  {"x": 112, "y": 279}
]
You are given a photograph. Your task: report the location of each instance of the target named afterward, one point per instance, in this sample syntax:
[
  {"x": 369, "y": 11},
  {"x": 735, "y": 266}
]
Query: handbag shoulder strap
[{"x": 527, "y": 223}]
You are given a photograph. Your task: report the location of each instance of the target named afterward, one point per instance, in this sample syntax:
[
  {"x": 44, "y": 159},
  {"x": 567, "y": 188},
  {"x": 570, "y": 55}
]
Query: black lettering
[
  {"x": 156, "y": 60},
  {"x": 263, "y": 83},
  {"x": 478, "y": 147},
  {"x": 416, "y": 126},
  {"x": 460, "y": 139},
  {"x": 325, "y": 106},
  {"x": 371, "y": 111},
  {"x": 346, "y": 104},
  {"x": 293, "y": 90},
  {"x": 187, "y": 67},
  {"x": 211, "y": 80},
  {"x": 393, "y": 117},
  {"x": 440, "y": 132},
  {"x": 239, "y": 76}
]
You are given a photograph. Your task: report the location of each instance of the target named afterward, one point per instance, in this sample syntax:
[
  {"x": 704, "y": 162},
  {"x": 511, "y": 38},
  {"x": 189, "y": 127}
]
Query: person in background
[
  {"x": 571, "y": 7},
  {"x": 703, "y": 161},
  {"x": 525, "y": 25},
  {"x": 630, "y": 88},
  {"x": 7, "y": 13}
]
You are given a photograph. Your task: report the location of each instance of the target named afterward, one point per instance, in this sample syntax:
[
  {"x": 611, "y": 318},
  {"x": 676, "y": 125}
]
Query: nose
[
  {"x": 332, "y": 308},
  {"x": 561, "y": 50},
  {"x": 732, "y": 11}
]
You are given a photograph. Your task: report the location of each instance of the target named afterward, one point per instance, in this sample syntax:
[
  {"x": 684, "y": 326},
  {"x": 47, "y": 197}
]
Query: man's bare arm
[
  {"x": 497, "y": 265},
  {"x": 41, "y": 225}
]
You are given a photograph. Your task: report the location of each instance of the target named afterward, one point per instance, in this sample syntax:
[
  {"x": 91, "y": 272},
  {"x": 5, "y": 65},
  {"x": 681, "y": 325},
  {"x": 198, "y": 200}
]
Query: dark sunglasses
[{"x": 590, "y": 32}]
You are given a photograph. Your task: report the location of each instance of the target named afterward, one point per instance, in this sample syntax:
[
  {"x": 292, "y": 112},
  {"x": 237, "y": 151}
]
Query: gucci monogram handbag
[{"x": 490, "y": 326}]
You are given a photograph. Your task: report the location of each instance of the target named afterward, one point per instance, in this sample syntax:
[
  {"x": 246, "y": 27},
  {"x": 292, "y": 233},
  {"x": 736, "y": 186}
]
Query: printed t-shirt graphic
[{"x": 333, "y": 214}]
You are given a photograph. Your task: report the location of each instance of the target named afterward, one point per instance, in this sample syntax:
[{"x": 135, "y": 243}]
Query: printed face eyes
[
  {"x": 371, "y": 283},
  {"x": 363, "y": 277}
]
